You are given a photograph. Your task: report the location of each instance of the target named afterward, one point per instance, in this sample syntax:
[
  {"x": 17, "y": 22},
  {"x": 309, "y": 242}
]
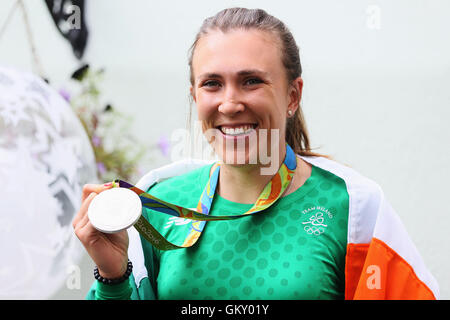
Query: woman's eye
[
  {"x": 253, "y": 81},
  {"x": 214, "y": 83},
  {"x": 210, "y": 83}
]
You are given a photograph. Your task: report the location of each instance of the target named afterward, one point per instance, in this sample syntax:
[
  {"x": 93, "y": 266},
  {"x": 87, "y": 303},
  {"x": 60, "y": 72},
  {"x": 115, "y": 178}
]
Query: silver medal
[{"x": 114, "y": 210}]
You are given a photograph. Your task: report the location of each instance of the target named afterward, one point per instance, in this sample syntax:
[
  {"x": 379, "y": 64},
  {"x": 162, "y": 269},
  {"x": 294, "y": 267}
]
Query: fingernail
[{"x": 108, "y": 184}]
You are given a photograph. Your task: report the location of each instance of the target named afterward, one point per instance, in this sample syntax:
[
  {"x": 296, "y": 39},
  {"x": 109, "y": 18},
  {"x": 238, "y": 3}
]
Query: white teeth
[{"x": 237, "y": 131}]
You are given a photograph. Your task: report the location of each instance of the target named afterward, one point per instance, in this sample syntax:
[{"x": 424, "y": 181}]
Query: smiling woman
[
  {"x": 322, "y": 231},
  {"x": 271, "y": 47}
]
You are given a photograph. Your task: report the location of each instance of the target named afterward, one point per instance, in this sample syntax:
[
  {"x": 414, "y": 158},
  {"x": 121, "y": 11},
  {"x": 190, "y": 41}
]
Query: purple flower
[
  {"x": 164, "y": 145},
  {"x": 101, "y": 168},
  {"x": 96, "y": 141},
  {"x": 65, "y": 94}
]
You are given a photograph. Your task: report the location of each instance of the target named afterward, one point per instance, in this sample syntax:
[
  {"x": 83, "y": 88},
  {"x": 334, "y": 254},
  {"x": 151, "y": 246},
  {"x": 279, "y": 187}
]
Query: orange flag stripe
[{"x": 376, "y": 272}]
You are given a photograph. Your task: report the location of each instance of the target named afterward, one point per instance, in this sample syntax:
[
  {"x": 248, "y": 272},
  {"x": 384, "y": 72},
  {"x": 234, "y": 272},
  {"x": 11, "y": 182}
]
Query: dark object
[
  {"x": 117, "y": 280},
  {"x": 108, "y": 108},
  {"x": 71, "y": 24},
  {"x": 80, "y": 72}
]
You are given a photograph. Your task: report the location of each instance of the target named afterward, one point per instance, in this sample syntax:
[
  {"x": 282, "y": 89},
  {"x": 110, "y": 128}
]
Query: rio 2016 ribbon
[{"x": 270, "y": 194}]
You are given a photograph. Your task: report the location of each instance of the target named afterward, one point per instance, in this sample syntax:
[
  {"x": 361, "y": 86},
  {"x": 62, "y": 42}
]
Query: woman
[{"x": 329, "y": 233}]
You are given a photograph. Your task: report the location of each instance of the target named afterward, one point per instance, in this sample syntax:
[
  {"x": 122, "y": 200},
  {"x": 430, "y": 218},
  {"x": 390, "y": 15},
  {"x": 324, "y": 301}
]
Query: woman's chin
[{"x": 238, "y": 158}]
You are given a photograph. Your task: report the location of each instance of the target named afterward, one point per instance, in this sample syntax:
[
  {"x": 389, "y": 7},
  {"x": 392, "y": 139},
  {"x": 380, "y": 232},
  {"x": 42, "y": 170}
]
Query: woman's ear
[
  {"x": 191, "y": 90},
  {"x": 295, "y": 94}
]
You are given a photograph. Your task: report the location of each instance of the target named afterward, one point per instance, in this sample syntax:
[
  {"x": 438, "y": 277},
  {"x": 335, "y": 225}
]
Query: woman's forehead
[{"x": 236, "y": 51}]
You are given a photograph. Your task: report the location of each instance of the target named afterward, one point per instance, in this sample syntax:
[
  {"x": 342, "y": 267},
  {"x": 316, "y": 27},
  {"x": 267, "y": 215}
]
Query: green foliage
[{"x": 117, "y": 153}]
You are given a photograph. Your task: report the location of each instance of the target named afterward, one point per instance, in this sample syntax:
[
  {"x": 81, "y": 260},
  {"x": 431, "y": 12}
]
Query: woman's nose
[
  {"x": 231, "y": 107},
  {"x": 231, "y": 104}
]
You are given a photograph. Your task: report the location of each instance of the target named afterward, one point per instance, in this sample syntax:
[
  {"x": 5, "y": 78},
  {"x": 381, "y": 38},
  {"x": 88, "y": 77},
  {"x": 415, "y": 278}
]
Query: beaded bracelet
[{"x": 125, "y": 276}]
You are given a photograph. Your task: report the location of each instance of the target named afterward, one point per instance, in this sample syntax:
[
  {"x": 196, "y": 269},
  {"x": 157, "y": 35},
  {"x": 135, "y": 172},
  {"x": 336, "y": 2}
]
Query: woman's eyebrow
[
  {"x": 253, "y": 72},
  {"x": 240, "y": 73}
]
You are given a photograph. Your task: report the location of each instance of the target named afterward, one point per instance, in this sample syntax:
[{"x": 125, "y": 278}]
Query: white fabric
[
  {"x": 371, "y": 216},
  {"x": 391, "y": 231},
  {"x": 364, "y": 197}
]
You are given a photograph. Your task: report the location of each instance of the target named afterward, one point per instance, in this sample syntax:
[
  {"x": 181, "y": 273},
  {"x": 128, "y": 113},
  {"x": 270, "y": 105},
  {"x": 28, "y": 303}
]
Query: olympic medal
[{"x": 114, "y": 210}]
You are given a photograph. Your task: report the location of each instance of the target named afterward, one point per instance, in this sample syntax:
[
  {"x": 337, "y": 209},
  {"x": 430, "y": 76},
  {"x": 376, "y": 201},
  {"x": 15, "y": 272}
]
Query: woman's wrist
[
  {"x": 114, "y": 278},
  {"x": 110, "y": 271}
]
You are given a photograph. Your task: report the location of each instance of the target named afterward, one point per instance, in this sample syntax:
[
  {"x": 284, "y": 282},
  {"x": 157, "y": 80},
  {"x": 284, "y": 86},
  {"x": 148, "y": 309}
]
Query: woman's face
[{"x": 241, "y": 92}]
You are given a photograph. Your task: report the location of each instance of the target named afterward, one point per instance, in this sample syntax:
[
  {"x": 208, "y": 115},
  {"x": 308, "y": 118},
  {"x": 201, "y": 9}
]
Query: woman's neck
[
  {"x": 249, "y": 189},
  {"x": 243, "y": 183}
]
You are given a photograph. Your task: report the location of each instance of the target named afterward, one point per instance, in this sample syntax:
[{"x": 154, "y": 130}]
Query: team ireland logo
[{"x": 316, "y": 224}]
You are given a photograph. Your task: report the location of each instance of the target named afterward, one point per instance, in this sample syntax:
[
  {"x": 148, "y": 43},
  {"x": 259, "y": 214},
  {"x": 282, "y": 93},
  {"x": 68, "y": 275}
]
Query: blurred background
[{"x": 376, "y": 97}]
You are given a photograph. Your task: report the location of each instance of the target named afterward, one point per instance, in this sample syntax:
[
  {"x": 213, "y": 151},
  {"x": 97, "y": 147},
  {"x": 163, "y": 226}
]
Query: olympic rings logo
[
  {"x": 317, "y": 231},
  {"x": 315, "y": 225}
]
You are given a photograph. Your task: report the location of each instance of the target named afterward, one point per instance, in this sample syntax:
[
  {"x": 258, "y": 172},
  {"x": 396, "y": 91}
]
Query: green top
[{"x": 293, "y": 250}]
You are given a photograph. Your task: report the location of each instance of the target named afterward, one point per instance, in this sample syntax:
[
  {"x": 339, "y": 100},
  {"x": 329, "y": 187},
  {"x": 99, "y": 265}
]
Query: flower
[
  {"x": 64, "y": 94},
  {"x": 101, "y": 168},
  {"x": 164, "y": 145},
  {"x": 116, "y": 152},
  {"x": 96, "y": 141}
]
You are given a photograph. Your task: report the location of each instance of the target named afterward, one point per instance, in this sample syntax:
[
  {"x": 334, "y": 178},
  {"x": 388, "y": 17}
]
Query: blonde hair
[{"x": 242, "y": 18}]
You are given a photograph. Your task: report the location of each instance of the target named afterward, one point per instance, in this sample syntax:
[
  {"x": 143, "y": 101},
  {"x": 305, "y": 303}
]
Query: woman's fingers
[
  {"x": 88, "y": 190},
  {"x": 80, "y": 214},
  {"x": 97, "y": 188},
  {"x": 82, "y": 217}
]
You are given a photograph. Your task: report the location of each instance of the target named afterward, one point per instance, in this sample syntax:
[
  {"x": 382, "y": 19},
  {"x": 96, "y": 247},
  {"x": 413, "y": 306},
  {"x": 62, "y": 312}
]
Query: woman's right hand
[{"x": 109, "y": 251}]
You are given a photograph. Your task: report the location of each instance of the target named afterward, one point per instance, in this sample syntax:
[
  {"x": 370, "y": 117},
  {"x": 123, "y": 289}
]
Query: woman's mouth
[{"x": 237, "y": 130}]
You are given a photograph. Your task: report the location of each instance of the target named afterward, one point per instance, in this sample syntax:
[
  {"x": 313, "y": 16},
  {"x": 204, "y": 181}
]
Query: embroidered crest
[{"x": 316, "y": 223}]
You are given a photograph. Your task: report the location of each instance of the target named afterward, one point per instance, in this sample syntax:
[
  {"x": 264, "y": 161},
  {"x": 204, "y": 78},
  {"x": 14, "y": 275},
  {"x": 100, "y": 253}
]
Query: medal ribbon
[{"x": 270, "y": 194}]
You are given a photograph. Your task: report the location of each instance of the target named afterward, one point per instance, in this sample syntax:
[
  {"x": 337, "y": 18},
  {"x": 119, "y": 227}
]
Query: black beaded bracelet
[{"x": 125, "y": 276}]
